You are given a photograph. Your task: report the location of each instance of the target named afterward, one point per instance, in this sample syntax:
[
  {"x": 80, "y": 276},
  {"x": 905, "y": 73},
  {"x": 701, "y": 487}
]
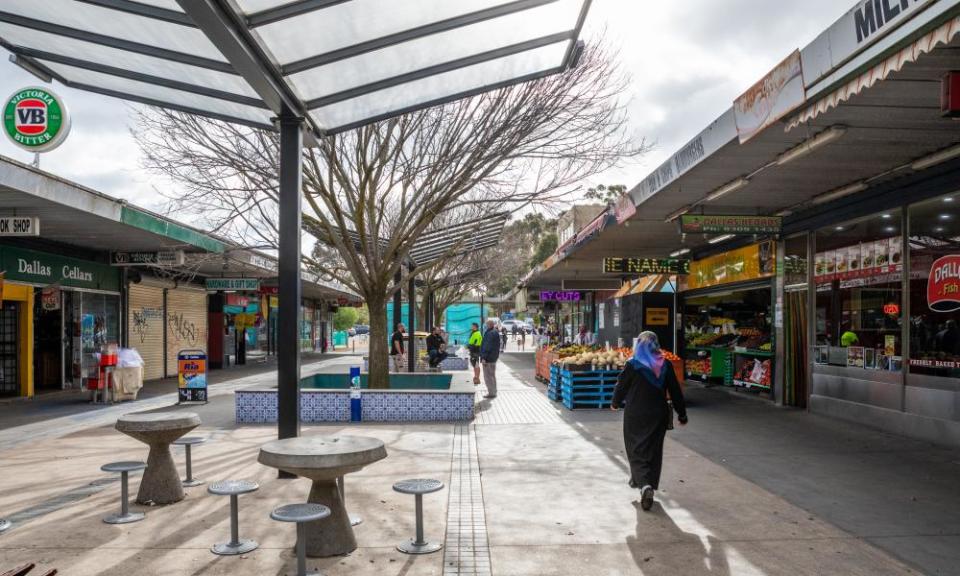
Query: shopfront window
[
  {"x": 795, "y": 262},
  {"x": 935, "y": 287},
  {"x": 95, "y": 321},
  {"x": 858, "y": 269}
]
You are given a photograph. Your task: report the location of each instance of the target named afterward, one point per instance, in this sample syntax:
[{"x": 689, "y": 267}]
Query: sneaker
[
  {"x": 633, "y": 483},
  {"x": 646, "y": 497},
  {"x": 490, "y": 396}
]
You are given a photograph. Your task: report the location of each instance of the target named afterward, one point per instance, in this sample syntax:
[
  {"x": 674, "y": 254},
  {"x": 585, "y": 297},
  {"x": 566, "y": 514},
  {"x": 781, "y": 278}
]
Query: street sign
[
  {"x": 561, "y": 296},
  {"x": 233, "y": 284},
  {"x": 36, "y": 119},
  {"x": 713, "y": 224},
  {"x": 162, "y": 258},
  {"x": 645, "y": 266},
  {"x": 19, "y": 226}
]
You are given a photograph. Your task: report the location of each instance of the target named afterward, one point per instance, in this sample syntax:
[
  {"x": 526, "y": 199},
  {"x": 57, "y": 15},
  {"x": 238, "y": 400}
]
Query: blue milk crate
[
  {"x": 589, "y": 389},
  {"x": 553, "y": 387}
]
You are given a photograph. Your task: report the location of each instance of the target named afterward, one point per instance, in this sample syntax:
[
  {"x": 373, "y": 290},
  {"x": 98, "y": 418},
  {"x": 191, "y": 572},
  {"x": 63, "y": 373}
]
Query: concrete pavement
[{"x": 531, "y": 490}]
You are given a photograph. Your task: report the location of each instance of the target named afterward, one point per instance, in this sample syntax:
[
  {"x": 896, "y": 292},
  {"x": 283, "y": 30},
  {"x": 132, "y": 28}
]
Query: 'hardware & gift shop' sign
[{"x": 41, "y": 268}]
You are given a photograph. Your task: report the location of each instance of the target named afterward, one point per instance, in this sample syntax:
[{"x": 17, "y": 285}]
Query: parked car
[
  {"x": 361, "y": 329},
  {"x": 520, "y": 325}
]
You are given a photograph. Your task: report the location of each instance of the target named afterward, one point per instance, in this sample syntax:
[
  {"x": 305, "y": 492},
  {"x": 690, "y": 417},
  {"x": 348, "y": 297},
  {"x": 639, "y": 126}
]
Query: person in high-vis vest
[{"x": 473, "y": 345}]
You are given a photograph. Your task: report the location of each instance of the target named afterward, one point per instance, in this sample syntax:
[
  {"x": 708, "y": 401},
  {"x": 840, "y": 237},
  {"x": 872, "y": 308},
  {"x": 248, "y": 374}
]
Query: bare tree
[{"x": 371, "y": 193}]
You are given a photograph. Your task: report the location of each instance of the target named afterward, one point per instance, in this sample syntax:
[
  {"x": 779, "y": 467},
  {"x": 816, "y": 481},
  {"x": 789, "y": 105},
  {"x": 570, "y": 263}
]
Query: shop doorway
[
  {"x": 9, "y": 344},
  {"x": 797, "y": 349},
  {"x": 47, "y": 341}
]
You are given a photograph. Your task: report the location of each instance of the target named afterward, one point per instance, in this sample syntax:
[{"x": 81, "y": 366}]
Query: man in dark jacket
[
  {"x": 489, "y": 354},
  {"x": 436, "y": 348}
]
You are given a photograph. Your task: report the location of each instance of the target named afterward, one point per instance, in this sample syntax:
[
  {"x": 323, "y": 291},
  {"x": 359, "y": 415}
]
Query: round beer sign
[{"x": 36, "y": 119}]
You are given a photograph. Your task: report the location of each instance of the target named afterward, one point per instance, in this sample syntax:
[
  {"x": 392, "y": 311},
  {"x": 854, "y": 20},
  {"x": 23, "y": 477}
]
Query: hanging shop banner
[
  {"x": 645, "y": 266},
  {"x": 943, "y": 285},
  {"x": 192, "y": 375},
  {"x": 769, "y": 100},
  {"x": 41, "y": 268},
  {"x": 754, "y": 262},
  {"x": 562, "y": 296},
  {"x": 36, "y": 119},
  {"x": 162, "y": 258},
  {"x": 233, "y": 284},
  {"x": 19, "y": 226},
  {"x": 746, "y": 225}
]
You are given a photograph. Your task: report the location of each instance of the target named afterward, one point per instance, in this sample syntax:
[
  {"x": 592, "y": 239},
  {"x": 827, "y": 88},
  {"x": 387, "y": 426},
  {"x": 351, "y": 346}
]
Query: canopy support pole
[
  {"x": 411, "y": 320},
  {"x": 288, "y": 317},
  {"x": 397, "y": 302}
]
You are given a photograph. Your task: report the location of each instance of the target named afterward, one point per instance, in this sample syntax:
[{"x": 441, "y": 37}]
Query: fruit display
[{"x": 698, "y": 366}]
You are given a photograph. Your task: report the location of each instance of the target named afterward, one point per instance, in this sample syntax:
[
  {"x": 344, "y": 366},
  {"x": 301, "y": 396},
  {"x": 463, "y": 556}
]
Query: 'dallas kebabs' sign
[{"x": 943, "y": 285}]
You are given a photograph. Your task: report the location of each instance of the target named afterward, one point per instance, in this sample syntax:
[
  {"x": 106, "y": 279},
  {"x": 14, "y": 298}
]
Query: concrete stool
[
  {"x": 418, "y": 488},
  {"x": 233, "y": 489},
  {"x": 5, "y": 525},
  {"x": 355, "y": 519},
  {"x": 187, "y": 442},
  {"x": 124, "y": 468},
  {"x": 300, "y": 513}
]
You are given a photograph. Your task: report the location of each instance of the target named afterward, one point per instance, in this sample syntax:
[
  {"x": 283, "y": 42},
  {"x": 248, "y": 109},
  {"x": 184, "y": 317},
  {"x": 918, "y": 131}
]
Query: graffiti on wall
[{"x": 143, "y": 319}]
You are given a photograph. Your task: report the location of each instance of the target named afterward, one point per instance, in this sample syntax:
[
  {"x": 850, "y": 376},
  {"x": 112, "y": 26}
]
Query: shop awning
[
  {"x": 943, "y": 34},
  {"x": 338, "y": 63}
]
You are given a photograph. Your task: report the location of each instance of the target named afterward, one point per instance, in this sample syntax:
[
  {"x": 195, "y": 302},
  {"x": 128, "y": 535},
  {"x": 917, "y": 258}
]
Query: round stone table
[
  {"x": 161, "y": 481},
  {"x": 323, "y": 459}
]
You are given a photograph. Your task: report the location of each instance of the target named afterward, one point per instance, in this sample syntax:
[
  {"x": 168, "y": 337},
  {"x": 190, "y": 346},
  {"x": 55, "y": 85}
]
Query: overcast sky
[{"x": 689, "y": 59}]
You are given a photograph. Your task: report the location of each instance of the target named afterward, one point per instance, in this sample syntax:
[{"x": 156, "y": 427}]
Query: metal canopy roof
[
  {"x": 338, "y": 63},
  {"x": 457, "y": 240}
]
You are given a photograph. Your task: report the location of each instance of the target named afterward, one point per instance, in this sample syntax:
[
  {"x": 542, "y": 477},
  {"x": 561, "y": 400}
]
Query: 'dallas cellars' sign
[
  {"x": 943, "y": 285},
  {"x": 36, "y": 119}
]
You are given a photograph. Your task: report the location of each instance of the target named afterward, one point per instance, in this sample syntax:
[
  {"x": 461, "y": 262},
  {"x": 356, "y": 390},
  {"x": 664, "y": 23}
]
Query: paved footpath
[{"x": 531, "y": 490}]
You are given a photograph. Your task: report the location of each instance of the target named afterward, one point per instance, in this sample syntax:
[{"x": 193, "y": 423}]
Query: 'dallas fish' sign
[
  {"x": 943, "y": 285},
  {"x": 36, "y": 119}
]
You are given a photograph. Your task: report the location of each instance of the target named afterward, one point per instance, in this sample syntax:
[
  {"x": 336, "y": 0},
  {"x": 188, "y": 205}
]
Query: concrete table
[
  {"x": 323, "y": 459},
  {"x": 161, "y": 481}
]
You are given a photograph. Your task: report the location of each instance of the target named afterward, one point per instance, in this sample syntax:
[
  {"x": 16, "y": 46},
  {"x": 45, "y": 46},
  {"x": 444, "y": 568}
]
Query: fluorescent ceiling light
[
  {"x": 784, "y": 213},
  {"x": 840, "y": 192},
  {"x": 720, "y": 239},
  {"x": 936, "y": 158},
  {"x": 727, "y": 189},
  {"x": 818, "y": 141},
  {"x": 679, "y": 253},
  {"x": 677, "y": 214}
]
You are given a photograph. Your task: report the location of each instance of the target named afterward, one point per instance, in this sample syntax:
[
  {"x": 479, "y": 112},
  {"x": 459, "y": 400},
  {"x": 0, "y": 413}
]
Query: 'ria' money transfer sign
[{"x": 36, "y": 119}]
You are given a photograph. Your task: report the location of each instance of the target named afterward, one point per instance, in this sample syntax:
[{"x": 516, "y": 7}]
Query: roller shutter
[
  {"x": 145, "y": 321},
  {"x": 186, "y": 323}
]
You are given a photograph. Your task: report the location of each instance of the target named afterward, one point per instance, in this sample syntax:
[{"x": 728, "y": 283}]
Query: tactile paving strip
[{"x": 466, "y": 551}]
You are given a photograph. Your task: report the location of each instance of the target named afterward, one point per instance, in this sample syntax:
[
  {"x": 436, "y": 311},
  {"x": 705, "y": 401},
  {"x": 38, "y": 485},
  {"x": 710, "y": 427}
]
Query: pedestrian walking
[
  {"x": 522, "y": 340},
  {"x": 503, "y": 338},
  {"x": 647, "y": 387},
  {"x": 490, "y": 349},
  {"x": 473, "y": 345},
  {"x": 397, "y": 351}
]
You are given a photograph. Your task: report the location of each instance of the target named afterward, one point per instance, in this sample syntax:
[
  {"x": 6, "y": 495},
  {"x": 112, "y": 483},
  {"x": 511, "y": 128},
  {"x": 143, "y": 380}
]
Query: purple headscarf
[{"x": 647, "y": 352}]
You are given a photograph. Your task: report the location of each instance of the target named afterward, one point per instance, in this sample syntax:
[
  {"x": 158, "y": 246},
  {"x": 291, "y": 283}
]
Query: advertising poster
[
  {"x": 820, "y": 265},
  {"x": 881, "y": 254},
  {"x": 896, "y": 252},
  {"x": 841, "y": 259},
  {"x": 830, "y": 259},
  {"x": 853, "y": 260},
  {"x": 192, "y": 376},
  {"x": 866, "y": 257}
]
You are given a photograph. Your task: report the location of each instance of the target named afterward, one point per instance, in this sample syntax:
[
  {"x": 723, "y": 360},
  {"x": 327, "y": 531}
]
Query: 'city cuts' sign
[{"x": 19, "y": 226}]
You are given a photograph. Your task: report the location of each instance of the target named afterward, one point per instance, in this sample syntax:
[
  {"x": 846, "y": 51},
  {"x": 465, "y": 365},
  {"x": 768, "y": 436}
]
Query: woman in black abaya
[{"x": 643, "y": 388}]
